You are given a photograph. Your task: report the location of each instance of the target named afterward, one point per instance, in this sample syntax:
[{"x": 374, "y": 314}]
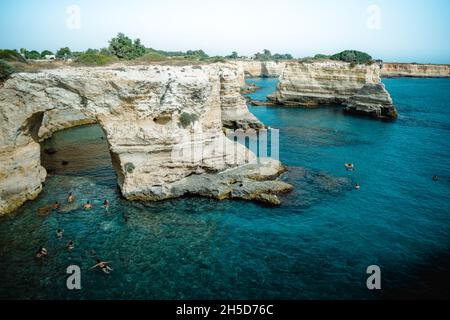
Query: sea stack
[{"x": 329, "y": 82}]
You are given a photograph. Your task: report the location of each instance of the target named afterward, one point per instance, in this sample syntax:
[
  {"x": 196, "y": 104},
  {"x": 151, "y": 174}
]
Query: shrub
[
  {"x": 34, "y": 55},
  {"x": 320, "y": 56},
  {"x": 64, "y": 53},
  {"x": 11, "y": 56},
  {"x": 129, "y": 167},
  {"x": 5, "y": 70},
  {"x": 187, "y": 119},
  {"x": 46, "y": 53},
  {"x": 95, "y": 59},
  {"x": 357, "y": 57},
  {"x": 152, "y": 57}
]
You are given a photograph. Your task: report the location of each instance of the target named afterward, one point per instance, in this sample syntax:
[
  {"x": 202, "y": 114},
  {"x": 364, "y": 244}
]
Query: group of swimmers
[
  {"x": 102, "y": 265},
  {"x": 42, "y": 252},
  {"x": 351, "y": 167},
  {"x": 87, "y": 206}
]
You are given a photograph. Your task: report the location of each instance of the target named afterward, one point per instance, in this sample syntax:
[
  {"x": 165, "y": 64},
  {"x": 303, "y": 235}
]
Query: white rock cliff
[
  {"x": 311, "y": 84},
  {"x": 164, "y": 127}
]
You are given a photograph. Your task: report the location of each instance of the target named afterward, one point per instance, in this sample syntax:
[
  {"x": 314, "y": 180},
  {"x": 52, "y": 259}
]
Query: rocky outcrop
[
  {"x": 311, "y": 84},
  {"x": 372, "y": 100},
  {"x": 256, "y": 69},
  {"x": 163, "y": 126},
  {"x": 415, "y": 70},
  {"x": 319, "y": 83},
  {"x": 235, "y": 114}
]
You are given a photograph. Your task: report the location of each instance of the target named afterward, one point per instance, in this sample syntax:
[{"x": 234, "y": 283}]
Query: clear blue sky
[{"x": 393, "y": 30}]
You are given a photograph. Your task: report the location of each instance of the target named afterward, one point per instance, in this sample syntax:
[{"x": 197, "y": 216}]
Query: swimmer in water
[
  {"x": 70, "y": 246},
  {"x": 435, "y": 178},
  {"x": 70, "y": 198},
  {"x": 42, "y": 252},
  {"x": 87, "y": 206},
  {"x": 103, "y": 266},
  {"x": 59, "y": 233},
  {"x": 56, "y": 206},
  {"x": 106, "y": 204},
  {"x": 357, "y": 187},
  {"x": 350, "y": 166}
]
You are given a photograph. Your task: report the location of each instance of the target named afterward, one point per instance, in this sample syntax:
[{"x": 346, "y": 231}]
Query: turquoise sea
[{"x": 316, "y": 245}]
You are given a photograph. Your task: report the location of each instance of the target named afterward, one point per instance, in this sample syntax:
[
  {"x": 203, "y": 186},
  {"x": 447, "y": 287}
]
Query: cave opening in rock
[{"x": 80, "y": 151}]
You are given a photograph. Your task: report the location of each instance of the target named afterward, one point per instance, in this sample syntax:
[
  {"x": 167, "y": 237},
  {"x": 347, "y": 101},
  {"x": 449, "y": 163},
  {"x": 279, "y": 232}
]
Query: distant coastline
[{"x": 415, "y": 70}]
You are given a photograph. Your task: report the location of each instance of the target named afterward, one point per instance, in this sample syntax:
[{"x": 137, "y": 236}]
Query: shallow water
[{"x": 318, "y": 244}]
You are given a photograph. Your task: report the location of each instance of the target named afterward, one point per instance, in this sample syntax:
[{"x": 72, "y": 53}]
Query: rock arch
[{"x": 129, "y": 103}]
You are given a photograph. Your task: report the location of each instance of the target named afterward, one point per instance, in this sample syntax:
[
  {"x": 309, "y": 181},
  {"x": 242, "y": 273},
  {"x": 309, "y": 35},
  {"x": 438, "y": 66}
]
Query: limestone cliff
[
  {"x": 372, "y": 100},
  {"x": 327, "y": 82},
  {"x": 163, "y": 125},
  {"x": 415, "y": 70},
  {"x": 254, "y": 68}
]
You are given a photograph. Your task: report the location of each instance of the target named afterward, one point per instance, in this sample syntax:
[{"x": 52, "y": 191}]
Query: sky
[{"x": 399, "y": 30}]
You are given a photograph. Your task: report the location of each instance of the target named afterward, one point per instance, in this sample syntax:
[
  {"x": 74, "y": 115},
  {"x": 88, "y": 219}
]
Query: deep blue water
[{"x": 316, "y": 245}]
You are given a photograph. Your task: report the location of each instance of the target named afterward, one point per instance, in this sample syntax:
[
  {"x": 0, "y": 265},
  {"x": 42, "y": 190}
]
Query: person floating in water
[
  {"x": 70, "y": 246},
  {"x": 103, "y": 266},
  {"x": 42, "y": 252},
  {"x": 106, "y": 204},
  {"x": 59, "y": 233},
  {"x": 357, "y": 186},
  {"x": 87, "y": 206},
  {"x": 435, "y": 178},
  {"x": 70, "y": 198},
  {"x": 56, "y": 206},
  {"x": 349, "y": 166}
]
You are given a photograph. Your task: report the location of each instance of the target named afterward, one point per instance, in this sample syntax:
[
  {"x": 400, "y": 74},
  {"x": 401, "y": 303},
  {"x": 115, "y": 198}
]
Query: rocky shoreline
[
  {"x": 415, "y": 70},
  {"x": 164, "y": 126}
]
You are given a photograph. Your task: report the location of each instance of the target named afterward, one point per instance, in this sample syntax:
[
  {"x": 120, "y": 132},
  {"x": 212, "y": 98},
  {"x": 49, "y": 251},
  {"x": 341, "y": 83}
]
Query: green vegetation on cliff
[
  {"x": 266, "y": 55},
  {"x": 11, "y": 56},
  {"x": 5, "y": 70},
  {"x": 352, "y": 56}
]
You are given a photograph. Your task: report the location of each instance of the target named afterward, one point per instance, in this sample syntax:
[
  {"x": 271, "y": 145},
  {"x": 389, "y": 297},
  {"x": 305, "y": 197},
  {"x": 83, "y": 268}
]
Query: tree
[
  {"x": 64, "y": 53},
  {"x": 33, "y": 55},
  {"x": 24, "y": 52},
  {"x": 265, "y": 55},
  {"x": 46, "y": 53},
  {"x": 198, "y": 54},
  {"x": 352, "y": 56},
  {"x": 124, "y": 48},
  {"x": 233, "y": 55}
]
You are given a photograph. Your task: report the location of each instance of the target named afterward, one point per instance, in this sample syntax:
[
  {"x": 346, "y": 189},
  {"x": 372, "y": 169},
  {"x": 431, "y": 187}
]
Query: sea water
[{"x": 316, "y": 245}]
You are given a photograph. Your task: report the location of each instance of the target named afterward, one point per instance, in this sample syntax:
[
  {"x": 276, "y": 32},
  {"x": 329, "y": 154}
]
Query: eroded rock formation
[
  {"x": 311, "y": 84},
  {"x": 269, "y": 69},
  {"x": 164, "y": 127},
  {"x": 372, "y": 100},
  {"x": 415, "y": 70}
]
